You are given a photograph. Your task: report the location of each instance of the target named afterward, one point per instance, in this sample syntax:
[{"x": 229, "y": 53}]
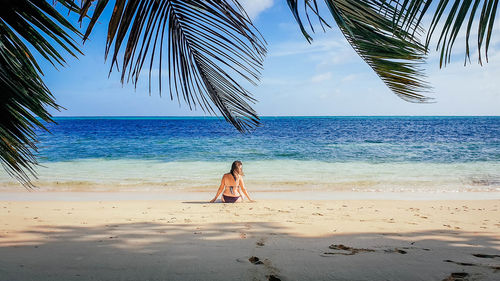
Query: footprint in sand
[
  {"x": 273, "y": 278},
  {"x": 248, "y": 227},
  {"x": 261, "y": 242},
  {"x": 255, "y": 260},
  {"x": 396, "y": 250},
  {"x": 457, "y": 276},
  {"x": 272, "y": 271}
]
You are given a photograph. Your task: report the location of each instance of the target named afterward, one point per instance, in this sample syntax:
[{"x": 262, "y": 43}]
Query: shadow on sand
[{"x": 244, "y": 251}]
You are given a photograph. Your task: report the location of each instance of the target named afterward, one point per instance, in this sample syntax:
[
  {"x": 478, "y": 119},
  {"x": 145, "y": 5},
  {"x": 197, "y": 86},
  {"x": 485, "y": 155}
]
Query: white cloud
[
  {"x": 321, "y": 77},
  {"x": 350, "y": 77},
  {"x": 255, "y": 7}
]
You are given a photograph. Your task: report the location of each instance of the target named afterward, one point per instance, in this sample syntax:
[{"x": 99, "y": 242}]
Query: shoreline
[{"x": 72, "y": 196}]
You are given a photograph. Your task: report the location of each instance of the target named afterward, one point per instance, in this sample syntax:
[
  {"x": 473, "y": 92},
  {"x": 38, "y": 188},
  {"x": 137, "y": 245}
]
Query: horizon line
[{"x": 204, "y": 116}]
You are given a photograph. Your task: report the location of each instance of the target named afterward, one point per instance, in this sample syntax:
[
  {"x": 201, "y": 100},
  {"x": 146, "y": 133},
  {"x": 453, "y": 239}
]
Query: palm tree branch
[
  {"x": 395, "y": 54},
  {"x": 24, "y": 26},
  {"x": 207, "y": 44},
  {"x": 460, "y": 14}
]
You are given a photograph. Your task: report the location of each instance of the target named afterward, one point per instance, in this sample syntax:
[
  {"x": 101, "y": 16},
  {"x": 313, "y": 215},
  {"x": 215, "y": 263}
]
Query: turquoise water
[{"x": 286, "y": 153}]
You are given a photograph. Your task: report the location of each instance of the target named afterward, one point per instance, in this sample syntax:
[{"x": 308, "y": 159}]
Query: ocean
[{"x": 367, "y": 154}]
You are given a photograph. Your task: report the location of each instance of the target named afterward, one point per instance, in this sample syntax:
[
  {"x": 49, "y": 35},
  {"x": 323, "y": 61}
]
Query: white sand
[{"x": 294, "y": 240}]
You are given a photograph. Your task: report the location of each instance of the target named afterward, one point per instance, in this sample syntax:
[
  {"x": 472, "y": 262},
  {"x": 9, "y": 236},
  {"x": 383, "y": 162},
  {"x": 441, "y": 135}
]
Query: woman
[{"x": 232, "y": 185}]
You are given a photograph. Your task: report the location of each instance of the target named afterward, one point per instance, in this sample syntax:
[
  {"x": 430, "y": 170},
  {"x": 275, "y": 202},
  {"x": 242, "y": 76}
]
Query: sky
[{"x": 324, "y": 78}]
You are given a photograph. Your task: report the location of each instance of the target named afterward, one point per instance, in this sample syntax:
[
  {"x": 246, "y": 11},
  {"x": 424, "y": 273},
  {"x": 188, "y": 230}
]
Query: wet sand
[{"x": 141, "y": 239}]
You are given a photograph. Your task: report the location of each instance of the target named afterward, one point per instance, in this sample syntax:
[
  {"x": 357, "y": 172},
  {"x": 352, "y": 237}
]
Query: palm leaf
[
  {"x": 395, "y": 54},
  {"x": 25, "y": 98},
  {"x": 207, "y": 44},
  {"x": 461, "y": 13}
]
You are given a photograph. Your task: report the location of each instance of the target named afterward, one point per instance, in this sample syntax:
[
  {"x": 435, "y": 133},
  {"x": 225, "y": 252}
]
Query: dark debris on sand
[
  {"x": 349, "y": 250},
  {"x": 458, "y": 276},
  {"x": 484, "y": 256}
]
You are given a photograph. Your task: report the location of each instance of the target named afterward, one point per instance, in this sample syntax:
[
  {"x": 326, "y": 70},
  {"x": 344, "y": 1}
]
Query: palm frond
[
  {"x": 25, "y": 98},
  {"x": 461, "y": 14},
  {"x": 207, "y": 42},
  {"x": 395, "y": 54}
]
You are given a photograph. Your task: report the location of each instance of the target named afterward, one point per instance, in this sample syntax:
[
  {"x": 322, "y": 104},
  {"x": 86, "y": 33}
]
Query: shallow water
[{"x": 385, "y": 154}]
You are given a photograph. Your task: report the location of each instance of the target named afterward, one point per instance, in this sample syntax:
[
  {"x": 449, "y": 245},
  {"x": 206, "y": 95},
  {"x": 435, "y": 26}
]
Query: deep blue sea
[{"x": 285, "y": 153}]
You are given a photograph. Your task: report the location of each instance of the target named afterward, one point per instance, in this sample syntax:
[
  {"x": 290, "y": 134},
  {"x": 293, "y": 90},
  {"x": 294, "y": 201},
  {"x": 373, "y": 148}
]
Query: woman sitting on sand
[{"x": 232, "y": 184}]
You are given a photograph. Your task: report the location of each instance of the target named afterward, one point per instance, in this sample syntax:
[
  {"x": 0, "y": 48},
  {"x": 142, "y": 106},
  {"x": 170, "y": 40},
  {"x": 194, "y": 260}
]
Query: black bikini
[{"x": 230, "y": 199}]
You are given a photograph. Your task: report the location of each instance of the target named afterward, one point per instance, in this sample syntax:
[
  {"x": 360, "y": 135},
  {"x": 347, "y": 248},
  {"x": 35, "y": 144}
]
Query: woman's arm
[
  {"x": 242, "y": 185},
  {"x": 219, "y": 191}
]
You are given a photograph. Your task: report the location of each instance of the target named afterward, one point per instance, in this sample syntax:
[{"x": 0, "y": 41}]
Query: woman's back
[{"x": 231, "y": 185}]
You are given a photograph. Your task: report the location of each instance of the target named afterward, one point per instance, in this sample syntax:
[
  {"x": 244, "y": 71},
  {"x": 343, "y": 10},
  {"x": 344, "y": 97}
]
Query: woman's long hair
[{"x": 236, "y": 169}]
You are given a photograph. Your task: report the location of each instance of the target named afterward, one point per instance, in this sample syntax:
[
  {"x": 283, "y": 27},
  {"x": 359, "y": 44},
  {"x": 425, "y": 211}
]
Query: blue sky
[{"x": 322, "y": 78}]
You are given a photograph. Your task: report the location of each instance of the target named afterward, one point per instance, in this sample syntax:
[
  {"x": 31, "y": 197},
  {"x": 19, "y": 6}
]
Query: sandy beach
[
  {"x": 366, "y": 163},
  {"x": 267, "y": 240}
]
